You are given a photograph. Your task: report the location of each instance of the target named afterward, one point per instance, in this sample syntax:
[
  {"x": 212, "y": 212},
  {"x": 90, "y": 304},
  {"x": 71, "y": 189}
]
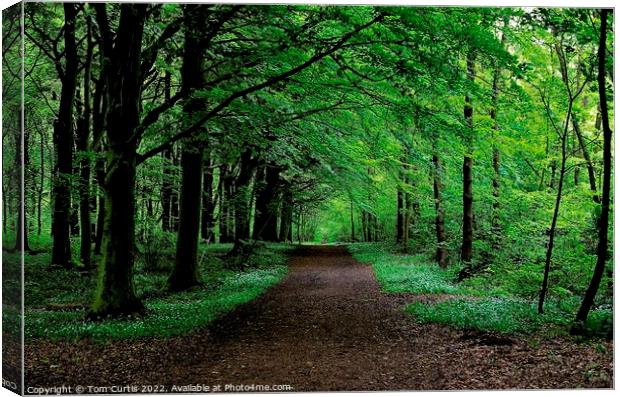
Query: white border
[{"x": 483, "y": 3}]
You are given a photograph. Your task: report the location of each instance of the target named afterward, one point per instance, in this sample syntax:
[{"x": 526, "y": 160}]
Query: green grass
[
  {"x": 56, "y": 301},
  {"x": 488, "y": 314},
  {"x": 476, "y": 303},
  {"x": 404, "y": 273}
]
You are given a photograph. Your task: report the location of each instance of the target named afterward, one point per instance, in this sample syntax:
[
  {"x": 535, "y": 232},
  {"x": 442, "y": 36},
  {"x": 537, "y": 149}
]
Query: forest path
[{"x": 326, "y": 326}]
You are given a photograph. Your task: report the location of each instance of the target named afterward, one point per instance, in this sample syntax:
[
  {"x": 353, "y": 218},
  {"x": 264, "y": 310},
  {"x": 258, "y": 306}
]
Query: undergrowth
[
  {"x": 57, "y": 301},
  {"x": 477, "y": 303}
]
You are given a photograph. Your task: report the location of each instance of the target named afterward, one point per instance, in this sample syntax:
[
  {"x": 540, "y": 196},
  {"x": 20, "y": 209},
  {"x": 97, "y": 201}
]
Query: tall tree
[
  {"x": 63, "y": 142},
  {"x": 468, "y": 199},
  {"x": 122, "y": 54},
  {"x": 185, "y": 271},
  {"x": 603, "y": 226}
]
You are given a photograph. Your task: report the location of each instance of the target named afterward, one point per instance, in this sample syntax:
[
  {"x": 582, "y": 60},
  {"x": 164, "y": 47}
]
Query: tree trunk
[
  {"x": 406, "y": 219},
  {"x": 266, "y": 213},
  {"x": 352, "y": 222},
  {"x": 21, "y": 155},
  {"x": 468, "y": 214},
  {"x": 41, "y": 184},
  {"x": 208, "y": 202},
  {"x": 115, "y": 294},
  {"x": 63, "y": 142},
  {"x": 83, "y": 146},
  {"x": 602, "y": 249},
  {"x": 185, "y": 272},
  {"x": 400, "y": 211},
  {"x": 225, "y": 198},
  {"x": 166, "y": 185},
  {"x": 174, "y": 192},
  {"x": 286, "y": 222},
  {"x": 100, "y": 175},
  {"x": 441, "y": 255},
  {"x": 241, "y": 199}
]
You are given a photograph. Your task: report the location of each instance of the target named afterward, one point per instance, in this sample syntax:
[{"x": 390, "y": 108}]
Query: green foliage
[
  {"x": 487, "y": 314},
  {"x": 404, "y": 273},
  {"x": 503, "y": 301},
  {"x": 58, "y": 317}
]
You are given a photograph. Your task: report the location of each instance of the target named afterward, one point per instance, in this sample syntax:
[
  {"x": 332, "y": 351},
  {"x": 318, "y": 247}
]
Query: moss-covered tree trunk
[{"x": 114, "y": 295}]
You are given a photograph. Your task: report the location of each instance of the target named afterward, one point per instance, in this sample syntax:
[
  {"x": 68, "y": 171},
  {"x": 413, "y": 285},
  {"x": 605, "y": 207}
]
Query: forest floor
[{"x": 326, "y": 326}]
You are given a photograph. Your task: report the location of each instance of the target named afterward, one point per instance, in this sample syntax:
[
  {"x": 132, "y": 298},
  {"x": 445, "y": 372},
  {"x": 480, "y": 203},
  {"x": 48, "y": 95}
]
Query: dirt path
[{"x": 327, "y": 326}]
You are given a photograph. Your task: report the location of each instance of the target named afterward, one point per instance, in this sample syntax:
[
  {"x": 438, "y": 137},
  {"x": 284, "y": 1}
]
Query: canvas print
[{"x": 287, "y": 198}]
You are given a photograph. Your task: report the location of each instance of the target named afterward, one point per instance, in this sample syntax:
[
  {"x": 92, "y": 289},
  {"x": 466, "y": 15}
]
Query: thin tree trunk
[
  {"x": 174, "y": 192},
  {"x": 602, "y": 249},
  {"x": 41, "y": 184},
  {"x": 441, "y": 255},
  {"x": 166, "y": 186},
  {"x": 208, "y": 203},
  {"x": 496, "y": 229},
  {"x": 352, "y": 222},
  {"x": 468, "y": 214}
]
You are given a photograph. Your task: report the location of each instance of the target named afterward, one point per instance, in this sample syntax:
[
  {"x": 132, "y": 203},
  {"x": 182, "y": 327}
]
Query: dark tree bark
[
  {"x": 115, "y": 294},
  {"x": 42, "y": 138},
  {"x": 441, "y": 255},
  {"x": 174, "y": 192},
  {"x": 468, "y": 198},
  {"x": 83, "y": 146},
  {"x": 63, "y": 142},
  {"x": 267, "y": 205},
  {"x": 208, "y": 201},
  {"x": 21, "y": 154},
  {"x": 226, "y": 188},
  {"x": 602, "y": 249},
  {"x": 364, "y": 226},
  {"x": 166, "y": 187},
  {"x": 286, "y": 223},
  {"x": 100, "y": 176},
  {"x": 242, "y": 199},
  {"x": 185, "y": 272}
]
